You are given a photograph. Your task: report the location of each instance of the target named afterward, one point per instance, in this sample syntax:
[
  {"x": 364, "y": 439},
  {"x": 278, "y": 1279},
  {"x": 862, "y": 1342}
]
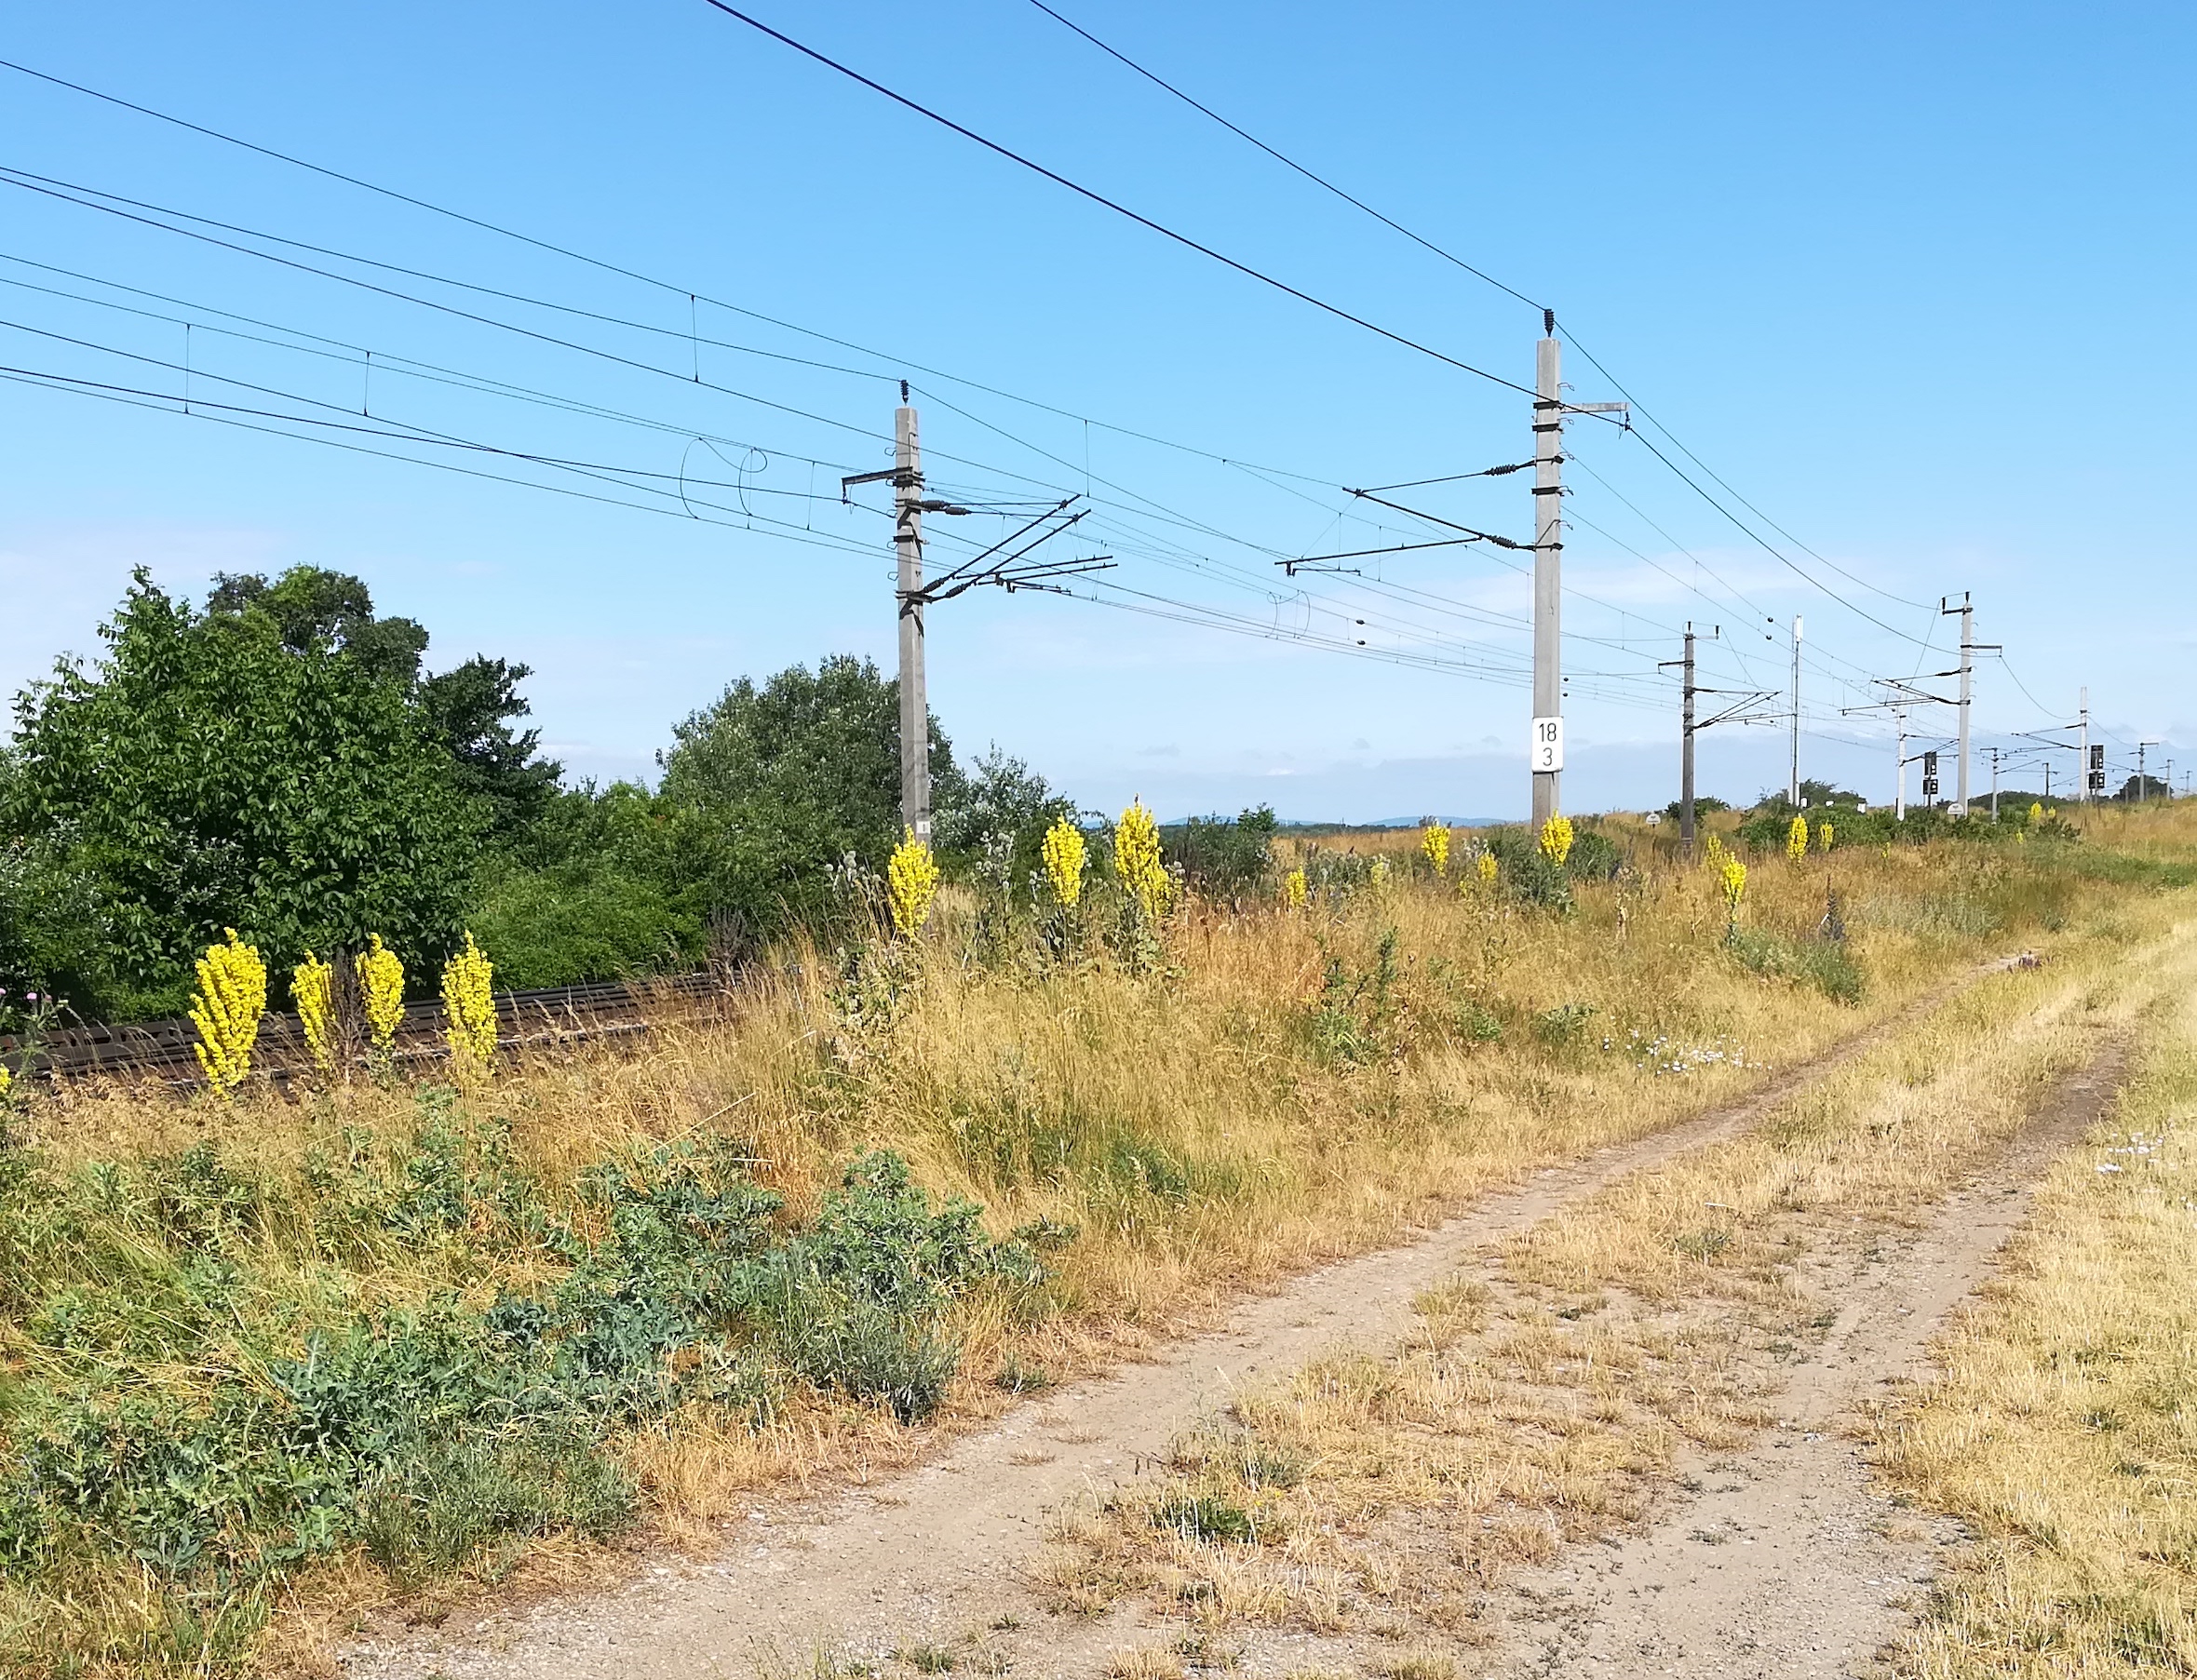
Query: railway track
[{"x": 555, "y": 1016}]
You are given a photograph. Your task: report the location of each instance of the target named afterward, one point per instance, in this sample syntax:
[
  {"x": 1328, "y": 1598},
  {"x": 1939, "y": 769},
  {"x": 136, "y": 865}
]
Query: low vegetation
[
  {"x": 265, "y": 1361},
  {"x": 1380, "y": 1493}
]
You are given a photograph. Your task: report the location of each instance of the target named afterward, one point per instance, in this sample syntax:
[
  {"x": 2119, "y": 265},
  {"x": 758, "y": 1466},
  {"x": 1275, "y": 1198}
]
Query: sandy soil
[{"x": 1783, "y": 1563}]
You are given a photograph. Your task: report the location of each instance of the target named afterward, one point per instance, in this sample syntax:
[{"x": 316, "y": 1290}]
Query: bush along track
[{"x": 432, "y": 1432}]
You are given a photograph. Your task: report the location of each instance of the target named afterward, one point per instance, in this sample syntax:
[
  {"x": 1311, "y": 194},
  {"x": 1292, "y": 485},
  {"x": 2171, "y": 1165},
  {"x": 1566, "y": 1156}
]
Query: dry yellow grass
[
  {"x": 1380, "y": 1493},
  {"x": 1201, "y": 1132},
  {"x": 2064, "y": 1426}
]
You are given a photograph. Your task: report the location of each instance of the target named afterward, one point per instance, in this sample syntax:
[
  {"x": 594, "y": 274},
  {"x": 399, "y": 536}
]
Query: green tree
[
  {"x": 796, "y": 774},
  {"x": 226, "y": 770},
  {"x": 470, "y": 707},
  {"x": 999, "y": 794}
]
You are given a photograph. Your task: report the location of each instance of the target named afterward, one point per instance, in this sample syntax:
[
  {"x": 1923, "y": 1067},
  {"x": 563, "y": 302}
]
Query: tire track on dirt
[
  {"x": 936, "y": 1552},
  {"x": 1788, "y": 1563}
]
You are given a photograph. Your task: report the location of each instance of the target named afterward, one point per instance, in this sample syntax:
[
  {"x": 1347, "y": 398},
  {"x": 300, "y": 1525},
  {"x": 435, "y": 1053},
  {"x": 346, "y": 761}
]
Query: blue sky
[{"x": 1913, "y": 281}]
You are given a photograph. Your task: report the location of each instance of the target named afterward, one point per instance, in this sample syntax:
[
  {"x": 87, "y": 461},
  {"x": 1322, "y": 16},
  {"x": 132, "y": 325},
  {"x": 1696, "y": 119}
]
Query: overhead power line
[
  {"x": 1286, "y": 161},
  {"x": 899, "y": 364},
  {"x": 1480, "y": 274},
  {"x": 1119, "y": 208}
]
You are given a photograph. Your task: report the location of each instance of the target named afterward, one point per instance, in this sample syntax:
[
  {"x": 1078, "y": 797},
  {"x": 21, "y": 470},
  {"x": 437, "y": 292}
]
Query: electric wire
[{"x": 1118, "y": 209}]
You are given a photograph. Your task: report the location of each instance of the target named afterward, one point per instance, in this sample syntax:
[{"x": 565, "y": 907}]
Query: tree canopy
[{"x": 253, "y": 767}]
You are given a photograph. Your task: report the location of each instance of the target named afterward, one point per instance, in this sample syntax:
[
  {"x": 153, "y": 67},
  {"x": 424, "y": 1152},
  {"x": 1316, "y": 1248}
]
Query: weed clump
[{"x": 171, "y": 1410}]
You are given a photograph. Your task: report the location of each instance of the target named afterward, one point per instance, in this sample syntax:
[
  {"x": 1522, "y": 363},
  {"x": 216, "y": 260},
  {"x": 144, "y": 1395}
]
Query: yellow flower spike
[
  {"x": 2036, "y": 811},
  {"x": 1434, "y": 842},
  {"x": 226, "y": 1009},
  {"x": 1489, "y": 868},
  {"x": 1732, "y": 878},
  {"x": 1294, "y": 891},
  {"x": 469, "y": 1008},
  {"x": 1377, "y": 877},
  {"x": 1823, "y": 837},
  {"x": 1556, "y": 840},
  {"x": 1063, "y": 858},
  {"x": 312, "y": 989},
  {"x": 911, "y": 883},
  {"x": 1136, "y": 861},
  {"x": 1797, "y": 839},
  {"x": 1712, "y": 853},
  {"x": 7, "y": 1083},
  {"x": 381, "y": 990}
]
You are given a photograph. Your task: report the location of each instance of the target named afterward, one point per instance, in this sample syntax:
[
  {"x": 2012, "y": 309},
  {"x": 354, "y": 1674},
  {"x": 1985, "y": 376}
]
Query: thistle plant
[
  {"x": 1137, "y": 862},
  {"x": 912, "y": 885},
  {"x": 469, "y": 1008},
  {"x": 1731, "y": 876},
  {"x": 1823, "y": 837},
  {"x": 1434, "y": 842},
  {"x": 1294, "y": 891},
  {"x": 1797, "y": 839},
  {"x": 1556, "y": 840},
  {"x": 226, "y": 1009},
  {"x": 381, "y": 994},
  {"x": 312, "y": 989},
  {"x": 1062, "y": 855}
]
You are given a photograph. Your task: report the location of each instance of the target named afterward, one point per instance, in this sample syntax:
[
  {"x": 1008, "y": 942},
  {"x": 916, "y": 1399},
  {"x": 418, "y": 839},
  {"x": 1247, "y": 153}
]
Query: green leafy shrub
[
  {"x": 1826, "y": 964},
  {"x": 1221, "y": 858},
  {"x": 200, "y": 1399}
]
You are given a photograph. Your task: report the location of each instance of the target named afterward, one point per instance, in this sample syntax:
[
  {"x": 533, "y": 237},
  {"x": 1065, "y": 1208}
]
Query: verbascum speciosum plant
[
  {"x": 381, "y": 991},
  {"x": 1062, "y": 855},
  {"x": 912, "y": 885},
  {"x": 469, "y": 1010},
  {"x": 1137, "y": 862},
  {"x": 226, "y": 1009},
  {"x": 312, "y": 989}
]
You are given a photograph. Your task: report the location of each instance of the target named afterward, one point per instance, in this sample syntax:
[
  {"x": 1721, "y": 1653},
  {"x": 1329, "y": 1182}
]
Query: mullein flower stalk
[
  {"x": 381, "y": 995},
  {"x": 1063, "y": 855},
  {"x": 912, "y": 885},
  {"x": 230, "y": 999},
  {"x": 469, "y": 1010},
  {"x": 1137, "y": 863},
  {"x": 1434, "y": 842},
  {"x": 1556, "y": 840},
  {"x": 312, "y": 989}
]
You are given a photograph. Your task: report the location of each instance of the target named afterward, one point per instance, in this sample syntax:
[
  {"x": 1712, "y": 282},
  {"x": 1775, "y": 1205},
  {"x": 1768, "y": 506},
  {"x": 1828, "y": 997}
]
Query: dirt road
[
  {"x": 1786, "y": 1564},
  {"x": 940, "y": 1557}
]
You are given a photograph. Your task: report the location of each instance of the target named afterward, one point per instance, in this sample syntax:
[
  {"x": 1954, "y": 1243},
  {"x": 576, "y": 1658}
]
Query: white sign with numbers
[{"x": 1548, "y": 744}]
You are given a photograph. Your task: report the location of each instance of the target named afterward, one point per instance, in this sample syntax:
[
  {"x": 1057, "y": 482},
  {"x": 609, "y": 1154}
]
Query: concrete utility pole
[
  {"x": 1967, "y": 614},
  {"x": 1548, "y": 573},
  {"x": 1994, "y": 784},
  {"x": 2142, "y": 787},
  {"x": 2082, "y": 762},
  {"x": 907, "y": 544},
  {"x": 1549, "y": 408},
  {"x": 1794, "y": 792},
  {"x": 1686, "y": 750},
  {"x": 1899, "y": 802}
]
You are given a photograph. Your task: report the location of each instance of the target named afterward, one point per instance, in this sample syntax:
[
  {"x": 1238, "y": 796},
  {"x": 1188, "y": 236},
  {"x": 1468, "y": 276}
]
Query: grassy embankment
[
  {"x": 1377, "y": 1497},
  {"x": 2064, "y": 1427},
  {"x": 263, "y": 1362}
]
